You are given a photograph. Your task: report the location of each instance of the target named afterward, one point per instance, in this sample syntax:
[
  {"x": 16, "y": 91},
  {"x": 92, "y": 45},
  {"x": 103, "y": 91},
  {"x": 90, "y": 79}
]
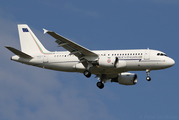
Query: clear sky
[{"x": 30, "y": 93}]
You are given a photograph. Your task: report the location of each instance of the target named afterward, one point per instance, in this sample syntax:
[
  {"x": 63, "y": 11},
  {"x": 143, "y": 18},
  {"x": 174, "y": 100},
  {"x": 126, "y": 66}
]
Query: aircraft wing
[
  {"x": 71, "y": 46},
  {"x": 83, "y": 54}
]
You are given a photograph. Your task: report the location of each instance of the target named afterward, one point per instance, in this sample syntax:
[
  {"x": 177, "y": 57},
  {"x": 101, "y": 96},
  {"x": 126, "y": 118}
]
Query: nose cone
[{"x": 170, "y": 62}]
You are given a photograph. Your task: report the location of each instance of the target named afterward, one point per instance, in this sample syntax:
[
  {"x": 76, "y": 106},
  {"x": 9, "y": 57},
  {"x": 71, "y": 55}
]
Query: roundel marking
[{"x": 108, "y": 60}]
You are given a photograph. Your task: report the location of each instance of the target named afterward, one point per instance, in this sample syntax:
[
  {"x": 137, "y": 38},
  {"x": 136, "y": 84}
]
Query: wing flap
[{"x": 17, "y": 52}]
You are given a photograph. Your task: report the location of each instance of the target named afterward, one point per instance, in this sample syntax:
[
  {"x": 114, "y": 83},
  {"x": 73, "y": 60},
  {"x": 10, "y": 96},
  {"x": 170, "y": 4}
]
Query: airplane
[{"x": 107, "y": 65}]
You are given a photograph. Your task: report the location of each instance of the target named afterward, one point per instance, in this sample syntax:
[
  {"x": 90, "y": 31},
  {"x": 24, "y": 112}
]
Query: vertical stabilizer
[{"x": 29, "y": 42}]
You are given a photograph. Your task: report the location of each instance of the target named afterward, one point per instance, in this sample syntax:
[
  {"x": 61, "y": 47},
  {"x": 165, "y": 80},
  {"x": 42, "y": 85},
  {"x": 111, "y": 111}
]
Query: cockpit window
[{"x": 161, "y": 54}]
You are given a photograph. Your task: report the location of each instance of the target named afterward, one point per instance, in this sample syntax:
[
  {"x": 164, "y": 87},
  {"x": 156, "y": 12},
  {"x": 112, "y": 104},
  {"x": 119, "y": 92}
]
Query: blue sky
[{"x": 28, "y": 92}]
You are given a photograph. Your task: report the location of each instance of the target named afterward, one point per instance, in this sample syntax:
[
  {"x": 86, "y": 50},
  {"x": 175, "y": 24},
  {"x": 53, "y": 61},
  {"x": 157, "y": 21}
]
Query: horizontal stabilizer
[{"x": 17, "y": 52}]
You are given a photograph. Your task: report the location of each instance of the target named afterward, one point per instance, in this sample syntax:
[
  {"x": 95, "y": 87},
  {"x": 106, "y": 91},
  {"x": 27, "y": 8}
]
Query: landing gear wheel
[
  {"x": 148, "y": 78},
  {"x": 87, "y": 73},
  {"x": 100, "y": 85},
  {"x": 148, "y": 73}
]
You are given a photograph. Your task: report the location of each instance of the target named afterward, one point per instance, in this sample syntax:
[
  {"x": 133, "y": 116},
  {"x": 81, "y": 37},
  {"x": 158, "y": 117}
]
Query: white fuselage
[
  {"x": 139, "y": 59},
  {"x": 107, "y": 65}
]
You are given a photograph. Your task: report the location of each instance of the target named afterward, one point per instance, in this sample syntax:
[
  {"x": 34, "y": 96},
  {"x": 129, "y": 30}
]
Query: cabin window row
[
  {"x": 63, "y": 55},
  {"x": 123, "y": 54}
]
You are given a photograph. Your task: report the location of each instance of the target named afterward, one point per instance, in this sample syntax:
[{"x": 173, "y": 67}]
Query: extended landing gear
[
  {"x": 100, "y": 85},
  {"x": 102, "y": 79},
  {"x": 87, "y": 73},
  {"x": 148, "y": 78},
  {"x": 148, "y": 73}
]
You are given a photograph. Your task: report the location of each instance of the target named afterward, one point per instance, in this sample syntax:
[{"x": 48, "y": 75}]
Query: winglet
[{"x": 45, "y": 31}]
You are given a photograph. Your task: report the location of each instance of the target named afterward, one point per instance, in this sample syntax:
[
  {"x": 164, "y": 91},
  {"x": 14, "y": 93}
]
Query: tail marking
[
  {"x": 37, "y": 44},
  {"x": 26, "y": 30}
]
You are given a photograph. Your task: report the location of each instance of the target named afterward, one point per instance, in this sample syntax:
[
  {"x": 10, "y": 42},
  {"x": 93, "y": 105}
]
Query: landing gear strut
[
  {"x": 148, "y": 73},
  {"x": 87, "y": 73}
]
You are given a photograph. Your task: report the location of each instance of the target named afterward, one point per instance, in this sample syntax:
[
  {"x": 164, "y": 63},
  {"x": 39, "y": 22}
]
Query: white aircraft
[{"x": 108, "y": 65}]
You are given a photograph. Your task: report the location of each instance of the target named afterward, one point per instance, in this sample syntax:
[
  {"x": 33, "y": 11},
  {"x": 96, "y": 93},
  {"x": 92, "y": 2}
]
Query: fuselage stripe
[{"x": 39, "y": 46}]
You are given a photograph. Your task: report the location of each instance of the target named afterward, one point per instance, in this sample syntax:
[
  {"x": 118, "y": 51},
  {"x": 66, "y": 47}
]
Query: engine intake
[{"x": 126, "y": 79}]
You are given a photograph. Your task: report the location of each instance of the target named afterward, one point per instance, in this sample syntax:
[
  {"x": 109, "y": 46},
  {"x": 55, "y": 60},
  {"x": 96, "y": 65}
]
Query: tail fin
[{"x": 29, "y": 42}]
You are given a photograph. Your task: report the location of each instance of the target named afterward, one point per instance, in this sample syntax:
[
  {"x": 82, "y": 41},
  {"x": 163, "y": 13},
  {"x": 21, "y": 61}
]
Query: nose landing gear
[{"x": 148, "y": 73}]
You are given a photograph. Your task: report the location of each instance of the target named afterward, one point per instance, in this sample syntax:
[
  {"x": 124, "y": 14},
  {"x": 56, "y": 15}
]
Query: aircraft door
[
  {"x": 147, "y": 55},
  {"x": 45, "y": 59}
]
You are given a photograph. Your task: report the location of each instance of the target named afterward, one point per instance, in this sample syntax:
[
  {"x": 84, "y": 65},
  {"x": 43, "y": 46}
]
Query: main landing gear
[
  {"x": 100, "y": 85},
  {"x": 148, "y": 73},
  {"x": 87, "y": 73}
]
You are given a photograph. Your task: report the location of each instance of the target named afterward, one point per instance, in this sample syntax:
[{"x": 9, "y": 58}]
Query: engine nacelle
[
  {"x": 112, "y": 62},
  {"x": 126, "y": 79}
]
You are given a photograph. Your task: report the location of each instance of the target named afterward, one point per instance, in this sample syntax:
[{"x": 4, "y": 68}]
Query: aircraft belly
[
  {"x": 134, "y": 65},
  {"x": 102, "y": 70},
  {"x": 143, "y": 65},
  {"x": 61, "y": 66}
]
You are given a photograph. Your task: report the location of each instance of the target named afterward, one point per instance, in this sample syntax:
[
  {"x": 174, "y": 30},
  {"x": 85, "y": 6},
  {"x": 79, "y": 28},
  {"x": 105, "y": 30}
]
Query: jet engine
[
  {"x": 126, "y": 79},
  {"x": 111, "y": 62}
]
